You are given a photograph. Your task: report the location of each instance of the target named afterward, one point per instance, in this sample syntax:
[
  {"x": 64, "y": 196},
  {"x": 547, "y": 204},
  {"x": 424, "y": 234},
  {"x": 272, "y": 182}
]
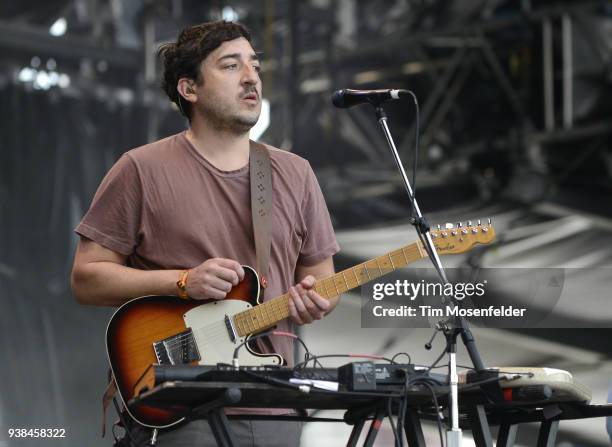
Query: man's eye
[
  {"x": 257, "y": 68},
  {"x": 230, "y": 67}
]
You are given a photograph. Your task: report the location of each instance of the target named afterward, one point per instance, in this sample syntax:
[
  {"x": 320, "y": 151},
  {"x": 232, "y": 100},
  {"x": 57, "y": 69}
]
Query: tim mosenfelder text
[{"x": 447, "y": 311}]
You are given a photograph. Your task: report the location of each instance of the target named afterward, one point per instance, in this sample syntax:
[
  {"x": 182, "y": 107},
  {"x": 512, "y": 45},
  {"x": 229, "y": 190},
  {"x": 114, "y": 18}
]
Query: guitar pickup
[
  {"x": 231, "y": 330},
  {"x": 178, "y": 349}
]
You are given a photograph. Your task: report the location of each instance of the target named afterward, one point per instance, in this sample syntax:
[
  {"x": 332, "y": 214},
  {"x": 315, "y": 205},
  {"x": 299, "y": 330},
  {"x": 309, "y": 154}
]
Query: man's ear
[{"x": 186, "y": 88}]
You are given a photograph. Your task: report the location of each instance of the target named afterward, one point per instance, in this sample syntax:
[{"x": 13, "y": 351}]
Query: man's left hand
[{"x": 306, "y": 305}]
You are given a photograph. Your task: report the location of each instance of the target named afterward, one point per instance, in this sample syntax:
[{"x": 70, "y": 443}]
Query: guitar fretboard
[{"x": 268, "y": 314}]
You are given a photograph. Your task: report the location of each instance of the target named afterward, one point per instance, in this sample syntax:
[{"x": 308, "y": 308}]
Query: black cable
[
  {"x": 430, "y": 380},
  {"x": 415, "y": 161},
  {"x": 316, "y": 363},
  {"x": 401, "y": 353},
  {"x": 403, "y": 407},
  {"x": 298, "y": 367},
  {"x": 465, "y": 366},
  {"x": 128, "y": 432},
  {"x": 433, "y": 365},
  {"x": 417, "y": 131},
  {"x": 394, "y": 429},
  {"x": 307, "y": 355},
  {"x": 124, "y": 419},
  {"x": 402, "y": 410},
  {"x": 437, "y": 409},
  {"x": 250, "y": 338},
  {"x": 485, "y": 381},
  {"x": 421, "y": 224}
]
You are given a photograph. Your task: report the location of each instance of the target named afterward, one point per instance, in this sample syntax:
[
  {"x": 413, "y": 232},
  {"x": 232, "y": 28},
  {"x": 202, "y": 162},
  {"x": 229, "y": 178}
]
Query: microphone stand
[{"x": 454, "y": 326}]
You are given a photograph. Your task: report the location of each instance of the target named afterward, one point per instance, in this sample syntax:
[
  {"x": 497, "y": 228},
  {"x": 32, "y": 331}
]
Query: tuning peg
[
  {"x": 469, "y": 223},
  {"x": 489, "y": 219},
  {"x": 478, "y": 222},
  {"x": 438, "y": 227},
  {"x": 459, "y": 224}
]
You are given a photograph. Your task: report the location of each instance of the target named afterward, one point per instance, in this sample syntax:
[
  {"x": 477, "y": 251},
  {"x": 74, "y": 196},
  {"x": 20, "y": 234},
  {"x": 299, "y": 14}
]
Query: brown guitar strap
[{"x": 261, "y": 207}]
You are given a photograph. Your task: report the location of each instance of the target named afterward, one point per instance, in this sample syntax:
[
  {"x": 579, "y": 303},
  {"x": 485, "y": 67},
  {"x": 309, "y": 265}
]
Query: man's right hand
[
  {"x": 101, "y": 278},
  {"x": 213, "y": 279}
]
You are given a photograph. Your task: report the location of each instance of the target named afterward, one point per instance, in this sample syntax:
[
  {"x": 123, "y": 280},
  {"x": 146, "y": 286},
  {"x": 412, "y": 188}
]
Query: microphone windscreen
[{"x": 338, "y": 99}]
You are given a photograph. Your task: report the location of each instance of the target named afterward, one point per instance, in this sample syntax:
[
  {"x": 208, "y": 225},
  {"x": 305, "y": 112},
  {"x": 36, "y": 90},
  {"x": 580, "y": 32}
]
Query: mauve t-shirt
[{"x": 165, "y": 206}]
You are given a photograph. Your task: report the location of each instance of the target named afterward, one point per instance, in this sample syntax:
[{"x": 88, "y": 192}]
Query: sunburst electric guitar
[{"x": 168, "y": 330}]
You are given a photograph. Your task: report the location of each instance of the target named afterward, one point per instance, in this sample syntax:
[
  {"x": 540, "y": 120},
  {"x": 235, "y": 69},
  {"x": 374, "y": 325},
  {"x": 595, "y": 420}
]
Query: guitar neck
[{"x": 268, "y": 314}]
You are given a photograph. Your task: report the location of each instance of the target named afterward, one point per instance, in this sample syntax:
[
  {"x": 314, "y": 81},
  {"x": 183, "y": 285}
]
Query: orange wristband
[{"x": 182, "y": 285}]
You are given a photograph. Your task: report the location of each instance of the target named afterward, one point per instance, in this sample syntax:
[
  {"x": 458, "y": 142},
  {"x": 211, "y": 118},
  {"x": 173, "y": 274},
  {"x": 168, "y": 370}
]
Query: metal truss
[
  {"x": 314, "y": 47},
  {"x": 440, "y": 64}
]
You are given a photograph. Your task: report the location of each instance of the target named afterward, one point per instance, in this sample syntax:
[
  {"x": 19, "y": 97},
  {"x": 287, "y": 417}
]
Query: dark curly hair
[{"x": 181, "y": 59}]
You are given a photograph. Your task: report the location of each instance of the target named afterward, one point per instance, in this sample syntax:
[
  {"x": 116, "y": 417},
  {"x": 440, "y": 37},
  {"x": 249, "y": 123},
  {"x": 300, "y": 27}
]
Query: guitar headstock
[{"x": 454, "y": 239}]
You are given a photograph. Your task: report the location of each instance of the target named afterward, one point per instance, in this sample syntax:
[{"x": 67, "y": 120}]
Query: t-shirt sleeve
[
  {"x": 113, "y": 219},
  {"x": 318, "y": 237}
]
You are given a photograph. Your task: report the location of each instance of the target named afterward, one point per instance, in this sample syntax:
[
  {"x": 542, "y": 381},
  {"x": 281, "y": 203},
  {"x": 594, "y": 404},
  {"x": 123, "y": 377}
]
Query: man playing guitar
[{"x": 173, "y": 217}]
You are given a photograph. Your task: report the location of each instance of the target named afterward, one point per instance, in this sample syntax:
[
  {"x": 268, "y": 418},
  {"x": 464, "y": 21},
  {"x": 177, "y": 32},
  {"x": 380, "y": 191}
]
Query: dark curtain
[{"x": 55, "y": 150}]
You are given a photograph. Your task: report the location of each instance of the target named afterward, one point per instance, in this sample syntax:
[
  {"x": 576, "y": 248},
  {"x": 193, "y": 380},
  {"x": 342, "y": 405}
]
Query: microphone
[{"x": 347, "y": 97}]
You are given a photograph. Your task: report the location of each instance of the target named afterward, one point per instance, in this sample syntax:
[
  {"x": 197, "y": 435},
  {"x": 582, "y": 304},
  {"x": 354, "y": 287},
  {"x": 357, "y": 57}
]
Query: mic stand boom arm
[{"x": 455, "y": 326}]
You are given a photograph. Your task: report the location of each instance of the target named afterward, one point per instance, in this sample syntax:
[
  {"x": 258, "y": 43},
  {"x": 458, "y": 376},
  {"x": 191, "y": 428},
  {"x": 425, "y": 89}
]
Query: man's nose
[{"x": 250, "y": 75}]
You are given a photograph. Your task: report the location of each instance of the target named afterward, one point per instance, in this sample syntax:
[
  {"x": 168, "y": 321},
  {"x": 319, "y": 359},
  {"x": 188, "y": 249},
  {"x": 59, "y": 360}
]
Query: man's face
[{"x": 230, "y": 95}]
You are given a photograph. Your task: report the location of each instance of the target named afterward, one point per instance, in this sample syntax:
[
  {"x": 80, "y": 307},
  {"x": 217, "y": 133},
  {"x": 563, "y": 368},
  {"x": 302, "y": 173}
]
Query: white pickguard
[{"x": 213, "y": 339}]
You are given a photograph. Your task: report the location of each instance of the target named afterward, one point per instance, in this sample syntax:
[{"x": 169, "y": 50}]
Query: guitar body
[{"x": 169, "y": 330}]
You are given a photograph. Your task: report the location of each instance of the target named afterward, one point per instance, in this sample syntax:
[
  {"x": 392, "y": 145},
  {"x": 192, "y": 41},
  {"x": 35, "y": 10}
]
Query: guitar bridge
[{"x": 178, "y": 349}]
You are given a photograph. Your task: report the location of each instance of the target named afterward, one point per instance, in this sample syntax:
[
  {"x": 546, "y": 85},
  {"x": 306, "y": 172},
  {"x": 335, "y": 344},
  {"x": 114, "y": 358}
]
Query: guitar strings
[
  {"x": 217, "y": 329},
  {"x": 221, "y": 329},
  {"x": 214, "y": 330}
]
